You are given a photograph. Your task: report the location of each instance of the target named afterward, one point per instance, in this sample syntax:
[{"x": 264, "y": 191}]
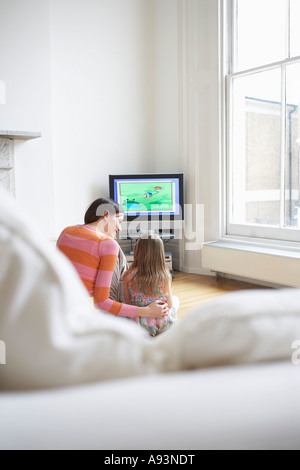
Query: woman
[{"x": 94, "y": 253}]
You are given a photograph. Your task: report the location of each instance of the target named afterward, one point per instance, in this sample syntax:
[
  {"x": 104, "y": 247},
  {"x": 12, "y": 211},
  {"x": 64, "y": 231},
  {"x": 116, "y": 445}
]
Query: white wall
[
  {"x": 201, "y": 125},
  {"x": 81, "y": 72},
  {"x": 136, "y": 88},
  {"x": 102, "y": 87},
  {"x": 167, "y": 86},
  {"x": 25, "y": 67},
  {"x": 114, "y": 86},
  {"x": 187, "y": 107}
]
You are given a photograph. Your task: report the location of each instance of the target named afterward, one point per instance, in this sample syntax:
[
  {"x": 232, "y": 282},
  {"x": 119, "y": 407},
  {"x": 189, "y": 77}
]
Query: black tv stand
[{"x": 163, "y": 234}]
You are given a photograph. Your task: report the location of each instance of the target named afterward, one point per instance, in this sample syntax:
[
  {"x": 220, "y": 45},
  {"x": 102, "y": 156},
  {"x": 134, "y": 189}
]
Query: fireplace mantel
[
  {"x": 7, "y": 160},
  {"x": 19, "y": 135}
]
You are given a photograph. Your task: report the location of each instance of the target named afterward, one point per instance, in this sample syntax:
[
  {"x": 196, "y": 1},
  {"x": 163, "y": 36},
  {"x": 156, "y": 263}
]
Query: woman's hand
[{"x": 157, "y": 309}]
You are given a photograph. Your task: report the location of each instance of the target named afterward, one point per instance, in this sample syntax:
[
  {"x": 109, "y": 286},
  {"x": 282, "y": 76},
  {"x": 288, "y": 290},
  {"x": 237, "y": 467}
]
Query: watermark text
[
  {"x": 190, "y": 227},
  {"x": 2, "y": 353},
  {"x": 296, "y": 354}
]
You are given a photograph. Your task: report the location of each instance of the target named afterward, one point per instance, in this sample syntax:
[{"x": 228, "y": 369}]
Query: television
[{"x": 149, "y": 196}]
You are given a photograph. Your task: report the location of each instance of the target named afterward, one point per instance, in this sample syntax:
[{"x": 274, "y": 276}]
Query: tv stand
[{"x": 163, "y": 234}]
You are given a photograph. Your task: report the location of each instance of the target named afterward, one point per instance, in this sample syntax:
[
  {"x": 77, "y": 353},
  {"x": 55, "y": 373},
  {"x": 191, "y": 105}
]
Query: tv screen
[{"x": 149, "y": 195}]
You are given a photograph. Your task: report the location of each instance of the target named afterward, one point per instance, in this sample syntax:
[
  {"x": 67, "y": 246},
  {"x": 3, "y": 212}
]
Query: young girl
[{"x": 149, "y": 280}]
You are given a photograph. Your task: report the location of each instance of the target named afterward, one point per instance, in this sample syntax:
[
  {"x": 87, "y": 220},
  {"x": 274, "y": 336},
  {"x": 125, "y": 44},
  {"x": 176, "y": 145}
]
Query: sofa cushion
[
  {"x": 241, "y": 327},
  {"x": 53, "y": 335}
]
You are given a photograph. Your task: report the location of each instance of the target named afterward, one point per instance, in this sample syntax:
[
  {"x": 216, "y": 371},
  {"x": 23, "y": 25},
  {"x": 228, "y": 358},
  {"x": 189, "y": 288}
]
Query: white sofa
[
  {"x": 237, "y": 407},
  {"x": 76, "y": 378}
]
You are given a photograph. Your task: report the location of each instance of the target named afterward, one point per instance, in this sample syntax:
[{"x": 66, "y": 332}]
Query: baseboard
[
  {"x": 254, "y": 281},
  {"x": 200, "y": 271}
]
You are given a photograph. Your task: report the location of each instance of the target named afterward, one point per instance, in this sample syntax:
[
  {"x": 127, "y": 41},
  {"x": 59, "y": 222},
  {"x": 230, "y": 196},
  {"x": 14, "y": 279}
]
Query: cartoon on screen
[{"x": 147, "y": 196}]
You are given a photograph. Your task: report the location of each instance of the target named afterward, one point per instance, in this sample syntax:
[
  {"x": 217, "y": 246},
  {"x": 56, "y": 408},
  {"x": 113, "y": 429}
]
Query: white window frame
[{"x": 268, "y": 234}]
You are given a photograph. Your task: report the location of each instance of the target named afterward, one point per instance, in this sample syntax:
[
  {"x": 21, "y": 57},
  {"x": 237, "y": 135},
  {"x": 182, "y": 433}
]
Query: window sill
[{"x": 256, "y": 247}]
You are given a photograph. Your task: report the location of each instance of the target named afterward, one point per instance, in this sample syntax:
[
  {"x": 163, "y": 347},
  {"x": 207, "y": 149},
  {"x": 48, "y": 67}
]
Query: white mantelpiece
[
  {"x": 7, "y": 161},
  {"x": 19, "y": 135}
]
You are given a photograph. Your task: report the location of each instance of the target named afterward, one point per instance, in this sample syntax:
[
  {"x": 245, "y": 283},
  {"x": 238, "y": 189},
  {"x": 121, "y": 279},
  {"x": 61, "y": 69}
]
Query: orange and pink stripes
[{"x": 94, "y": 258}]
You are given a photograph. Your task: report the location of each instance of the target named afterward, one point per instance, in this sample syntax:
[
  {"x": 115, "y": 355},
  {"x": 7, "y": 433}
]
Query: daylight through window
[{"x": 263, "y": 128}]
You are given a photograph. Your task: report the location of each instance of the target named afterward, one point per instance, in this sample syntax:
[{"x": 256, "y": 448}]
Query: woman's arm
[
  {"x": 108, "y": 255},
  {"x": 154, "y": 310}
]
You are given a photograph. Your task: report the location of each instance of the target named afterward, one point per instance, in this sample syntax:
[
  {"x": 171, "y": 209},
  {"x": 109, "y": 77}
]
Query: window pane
[
  {"x": 292, "y": 197},
  {"x": 261, "y": 32},
  {"x": 256, "y": 148},
  {"x": 295, "y": 30}
]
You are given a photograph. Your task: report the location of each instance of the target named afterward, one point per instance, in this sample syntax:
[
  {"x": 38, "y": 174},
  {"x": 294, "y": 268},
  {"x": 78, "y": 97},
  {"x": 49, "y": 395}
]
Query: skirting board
[
  {"x": 198, "y": 271},
  {"x": 279, "y": 267}
]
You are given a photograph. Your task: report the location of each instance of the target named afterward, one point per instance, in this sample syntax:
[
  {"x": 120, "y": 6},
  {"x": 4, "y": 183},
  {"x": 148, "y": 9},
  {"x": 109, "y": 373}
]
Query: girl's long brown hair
[{"x": 149, "y": 261}]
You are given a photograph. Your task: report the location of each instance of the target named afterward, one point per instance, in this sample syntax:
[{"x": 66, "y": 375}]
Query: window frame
[{"x": 261, "y": 233}]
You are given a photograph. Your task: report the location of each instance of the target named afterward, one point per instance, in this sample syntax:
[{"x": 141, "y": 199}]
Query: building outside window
[{"x": 263, "y": 119}]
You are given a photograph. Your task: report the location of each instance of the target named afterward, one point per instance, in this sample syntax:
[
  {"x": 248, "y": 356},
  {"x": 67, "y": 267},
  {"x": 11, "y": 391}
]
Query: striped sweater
[{"x": 94, "y": 258}]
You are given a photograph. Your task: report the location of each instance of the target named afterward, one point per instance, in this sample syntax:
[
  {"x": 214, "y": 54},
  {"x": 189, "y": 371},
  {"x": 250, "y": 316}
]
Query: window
[{"x": 263, "y": 120}]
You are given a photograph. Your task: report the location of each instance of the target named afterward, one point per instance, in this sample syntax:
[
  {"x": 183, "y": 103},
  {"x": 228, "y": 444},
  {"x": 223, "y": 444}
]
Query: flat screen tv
[{"x": 146, "y": 196}]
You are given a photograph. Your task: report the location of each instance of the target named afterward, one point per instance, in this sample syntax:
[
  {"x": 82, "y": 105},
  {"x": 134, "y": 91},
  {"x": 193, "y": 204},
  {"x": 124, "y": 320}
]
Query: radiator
[{"x": 268, "y": 264}]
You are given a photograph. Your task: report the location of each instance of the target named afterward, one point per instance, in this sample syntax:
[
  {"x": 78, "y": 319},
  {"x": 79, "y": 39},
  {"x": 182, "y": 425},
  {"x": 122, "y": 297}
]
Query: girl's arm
[{"x": 169, "y": 296}]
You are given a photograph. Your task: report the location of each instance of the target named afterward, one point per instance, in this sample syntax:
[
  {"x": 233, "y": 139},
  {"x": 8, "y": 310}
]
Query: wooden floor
[{"x": 193, "y": 289}]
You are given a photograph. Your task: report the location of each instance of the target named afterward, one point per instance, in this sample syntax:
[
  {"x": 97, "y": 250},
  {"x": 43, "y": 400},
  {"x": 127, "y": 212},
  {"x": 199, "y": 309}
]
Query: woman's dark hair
[{"x": 97, "y": 208}]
